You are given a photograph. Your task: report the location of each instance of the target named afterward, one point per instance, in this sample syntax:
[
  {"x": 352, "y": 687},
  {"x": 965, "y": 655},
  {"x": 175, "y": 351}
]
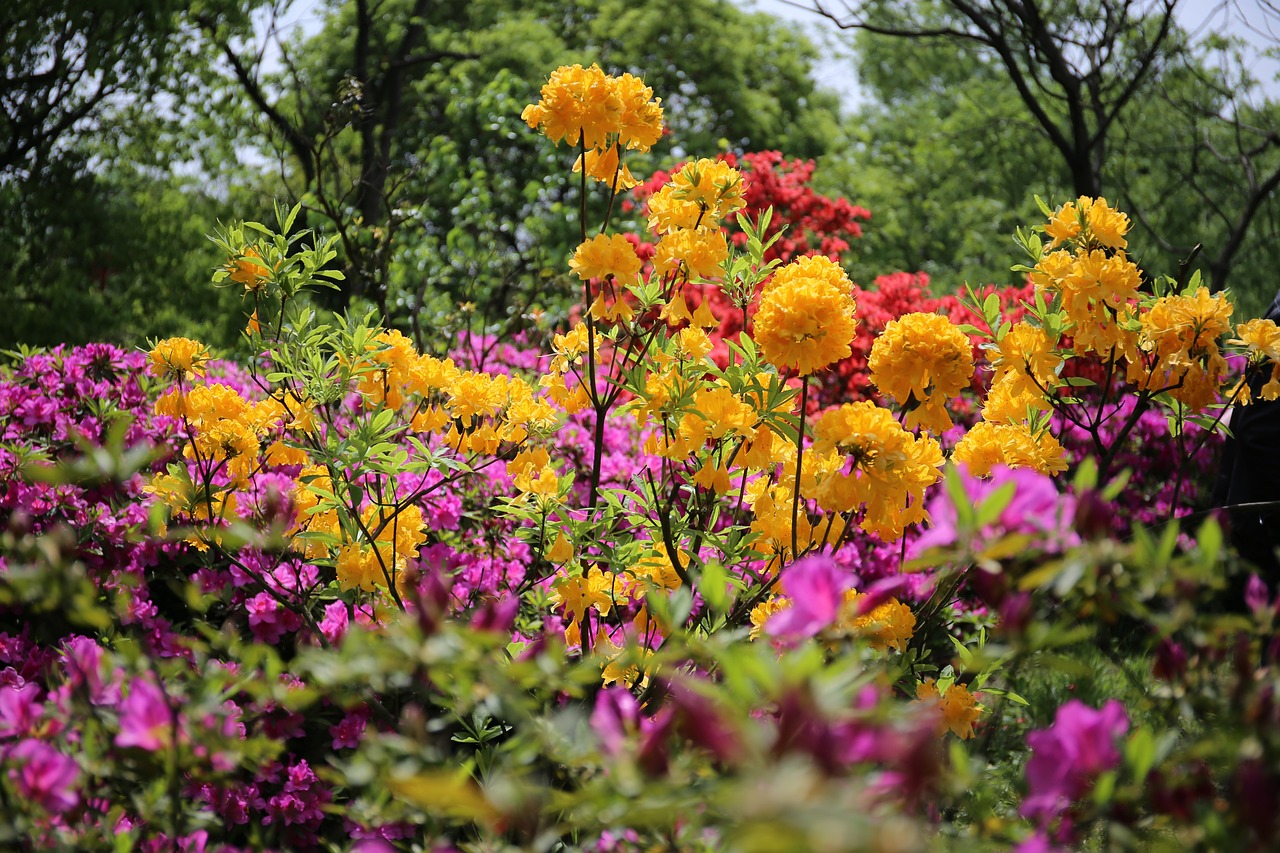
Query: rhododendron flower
[
  {"x": 1068, "y": 756},
  {"x": 959, "y": 708},
  {"x": 43, "y": 775},
  {"x": 146, "y": 719},
  {"x": 815, "y": 586},
  {"x": 805, "y": 321},
  {"x": 606, "y": 255},
  {"x": 19, "y": 709},
  {"x": 1036, "y": 508},
  {"x": 922, "y": 361}
]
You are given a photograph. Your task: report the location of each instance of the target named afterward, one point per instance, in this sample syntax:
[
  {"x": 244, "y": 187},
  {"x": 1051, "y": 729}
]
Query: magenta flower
[
  {"x": 1069, "y": 755},
  {"x": 616, "y": 715},
  {"x": 146, "y": 720},
  {"x": 816, "y": 587},
  {"x": 19, "y": 709},
  {"x": 43, "y": 775},
  {"x": 1037, "y": 508}
]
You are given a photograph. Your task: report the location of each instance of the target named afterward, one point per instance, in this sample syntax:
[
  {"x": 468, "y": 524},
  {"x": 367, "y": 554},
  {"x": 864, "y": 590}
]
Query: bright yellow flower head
[
  {"x": 585, "y": 105},
  {"x": 1186, "y": 324},
  {"x": 882, "y": 467},
  {"x": 1026, "y": 354},
  {"x": 702, "y": 251},
  {"x": 805, "y": 321},
  {"x": 606, "y": 255},
  {"x": 922, "y": 361},
  {"x": 713, "y": 185},
  {"x": 1262, "y": 337},
  {"x": 247, "y": 271},
  {"x": 177, "y": 357},
  {"x": 959, "y": 708},
  {"x": 603, "y": 166},
  {"x": 1089, "y": 222},
  {"x": 1015, "y": 445},
  {"x": 889, "y": 625}
]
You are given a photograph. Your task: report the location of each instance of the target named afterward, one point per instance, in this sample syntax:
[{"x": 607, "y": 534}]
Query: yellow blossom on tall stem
[
  {"x": 606, "y": 255},
  {"x": 922, "y": 361},
  {"x": 177, "y": 357},
  {"x": 805, "y": 321},
  {"x": 887, "y": 469}
]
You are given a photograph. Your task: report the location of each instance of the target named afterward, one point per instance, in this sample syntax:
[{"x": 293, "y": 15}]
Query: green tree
[
  {"x": 969, "y": 115},
  {"x": 401, "y": 129}
]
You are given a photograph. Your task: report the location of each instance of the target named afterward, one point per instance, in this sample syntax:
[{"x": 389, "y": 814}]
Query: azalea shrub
[{"x": 746, "y": 558}]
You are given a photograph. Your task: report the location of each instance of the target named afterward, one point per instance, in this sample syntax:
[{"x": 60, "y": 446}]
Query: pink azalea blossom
[
  {"x": 43, "y": 775},
  {"x": 1069, "y": 755},
  {"x": 816, "y": 587},
  {"x": 146, "y": 720}
]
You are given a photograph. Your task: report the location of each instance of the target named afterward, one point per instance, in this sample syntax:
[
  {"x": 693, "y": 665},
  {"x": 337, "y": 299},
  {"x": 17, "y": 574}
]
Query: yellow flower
[
  {"x": 1262, "y": 337},
  {"x": 668, "y": 214},
  {"x": 1090, "y": 222},
  {"x": 761, "y": 612},
  {"x": 586, "y": 105},
  {"x": 1010, "y": 398},
  {"x": 1016, "y": 445},
  {"x": 887, "y": 468},
  {"x": 177, "y": 357},
  {"x": 806, "y": 316},
  {"x": 561, "y": 550},
  {"x": 1026, "y": 353},
  {"x": 576, "y": 595},
  {"x": 247, "y": 271},
  {"x": 578, "y": 105},
  {"x": 606, "y": 255},
  {"x": 959, "y": 708},
  {"x": 640, "y": 125},
  {"x": 701, "y": 251},
  {"x": 675, "y": 311},
  {"x": 922, "y": 361},
  {"x": 713, "y": 185},
  {"x": 1186, "y": 324},
  {"x": 603, "y": 166},
  {"x": 693, "y": 343},
  {"x": 889, "y": 625}
]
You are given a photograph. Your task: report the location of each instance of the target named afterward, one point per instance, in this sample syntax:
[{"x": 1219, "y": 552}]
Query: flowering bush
[{"x": 624, "y": 594}]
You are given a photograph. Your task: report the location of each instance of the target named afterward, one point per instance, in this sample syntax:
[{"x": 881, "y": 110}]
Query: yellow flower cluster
[
  {"x": 922, "y": 361},
  {"x": 603, "y": 114},
  {"x": 879, "y": 468},
  {"x": 958, "y": 708},
  {"x": 225, "y": 428},
  {"x": 605, "y": 256},
  {"x": 1179, "y": 345},
  {"x": 1262, "y": 338},
  {"x": 1016, "y": 445},
  {"x": 1088, "y": 222},
  {"x": 805, "y": 321},
  {"x": 687, "y": 213},
  {"x": 176, "y": 357},
  {"x": 1099, "y": 294},
  {"x": 888, "y": 625},
  {"x": 247, "y": 271}
]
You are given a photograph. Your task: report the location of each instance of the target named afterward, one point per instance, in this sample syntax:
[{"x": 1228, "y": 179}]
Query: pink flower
[
  {"x": 335, "y": 621},
  {"x": 43, "y": 775},
  {"x": 146, "y": 720},
  {"x": 19, "y": 709},
  {"x": 1037, "y": 508},
  {"x": 816, "y": 587},
  {"x": 1069, "y": 755},
  {"x": 346, "y": 733},
  {"x": 616, "y": 715}
]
